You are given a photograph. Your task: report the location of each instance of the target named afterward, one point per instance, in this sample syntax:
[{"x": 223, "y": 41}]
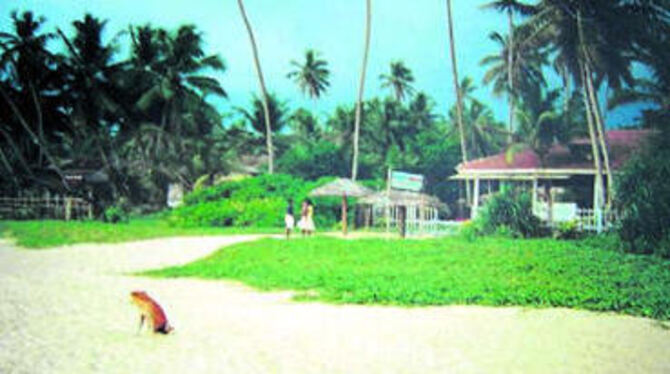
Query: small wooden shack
[{"x": 383, "y": 208}]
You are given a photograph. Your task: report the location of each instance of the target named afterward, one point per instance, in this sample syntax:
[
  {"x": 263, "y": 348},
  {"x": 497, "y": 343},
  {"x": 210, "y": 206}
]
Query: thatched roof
[
  {"x": 339, "y": 187},
  {"x": 406, "y": 198}
]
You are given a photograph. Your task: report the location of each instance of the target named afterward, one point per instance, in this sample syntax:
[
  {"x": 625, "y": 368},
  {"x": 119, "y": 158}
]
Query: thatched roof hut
[{"x": 339, "y": 187}]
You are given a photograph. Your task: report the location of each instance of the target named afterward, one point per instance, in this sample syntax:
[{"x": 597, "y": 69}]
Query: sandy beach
[{"x": 66, "y": 310}]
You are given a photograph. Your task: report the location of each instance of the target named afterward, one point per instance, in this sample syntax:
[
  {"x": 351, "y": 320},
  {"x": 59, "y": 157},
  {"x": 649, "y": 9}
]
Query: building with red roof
[{"x": 566, "y": 166}]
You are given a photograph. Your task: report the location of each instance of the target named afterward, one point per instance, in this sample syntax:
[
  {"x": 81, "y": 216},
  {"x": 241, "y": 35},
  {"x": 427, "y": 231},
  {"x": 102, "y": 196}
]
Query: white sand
[{"x": 67, "y": 311}]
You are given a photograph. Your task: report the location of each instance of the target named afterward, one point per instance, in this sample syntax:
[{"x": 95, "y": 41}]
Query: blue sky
[{"x": 412, "y": 31}]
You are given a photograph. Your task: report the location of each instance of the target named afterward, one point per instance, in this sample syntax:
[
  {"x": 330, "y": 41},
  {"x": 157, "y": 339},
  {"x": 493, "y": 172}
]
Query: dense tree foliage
[{"x": 71, "y": 101}]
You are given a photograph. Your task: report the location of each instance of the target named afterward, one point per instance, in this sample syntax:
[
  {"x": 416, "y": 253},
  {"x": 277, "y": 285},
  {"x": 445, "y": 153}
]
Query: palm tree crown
[
  {"x": 311, "y": 76},
  {"x": 399, "y": 79}
]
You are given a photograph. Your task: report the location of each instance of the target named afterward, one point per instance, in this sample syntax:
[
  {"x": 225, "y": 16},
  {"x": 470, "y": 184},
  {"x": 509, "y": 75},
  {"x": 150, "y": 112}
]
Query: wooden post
[
  {"x": 402, "y": 220},
  {"x": 344, "y": 214},
  {"x": 68, "y": 208},
  {"x": 388, "y": 201},
  {"x": 90, "y": 205}
]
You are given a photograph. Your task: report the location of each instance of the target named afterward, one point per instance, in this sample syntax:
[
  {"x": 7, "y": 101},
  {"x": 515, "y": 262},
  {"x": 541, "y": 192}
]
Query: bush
[
  {"x": 116, "y": 214},
  {"x": 643, "y": 199},
  {"x": 255, "y": 202},
  {"x": 568, "y": 231},
  {"x": 508, "y": 213}
]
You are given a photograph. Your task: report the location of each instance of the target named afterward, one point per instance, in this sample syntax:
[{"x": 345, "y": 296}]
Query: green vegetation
[
  {"x": 254, "y": 202},
  {"x": 540, "y": 272},
  {"x": 46, "y": 234},
  {"x": 643, "y": 200},
  {"x": 509, "y": 213}
]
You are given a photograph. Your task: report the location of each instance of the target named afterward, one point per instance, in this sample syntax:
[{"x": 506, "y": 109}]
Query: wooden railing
[{"x": 45, "y": 207}]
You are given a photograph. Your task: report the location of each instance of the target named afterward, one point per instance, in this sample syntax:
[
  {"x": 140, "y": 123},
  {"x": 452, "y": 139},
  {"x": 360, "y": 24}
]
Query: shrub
[
  {"x": 643, "y": 199},
  {"x": 508, "y": 213},
  {"x": 116, "y": 214},
  {"x": 256, "y": 202},
  {"x": 568, "y": 230}
]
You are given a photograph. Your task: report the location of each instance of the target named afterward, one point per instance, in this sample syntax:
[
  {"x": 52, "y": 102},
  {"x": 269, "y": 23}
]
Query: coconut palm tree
[
  {"x": 509, "y": 6},
  {"x": 522, "y": 65},
  {"x": 311, "y": 76},
  {"x": 593, "y": 52},
  {"x": 28, "y": 81},
  {"x": 399, "y": 79},
  {"x": 459, "y": 96},
  {"x": 264, "y": 92},
  {"x": 361, "y": 86}
]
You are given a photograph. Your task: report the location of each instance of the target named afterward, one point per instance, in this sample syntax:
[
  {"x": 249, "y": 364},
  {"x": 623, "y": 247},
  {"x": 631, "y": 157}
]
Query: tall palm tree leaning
[
  {"x": 459, "y": 97},
  {"x": 400, "y": 80},
  {"x": 312, "y": 76},
  {"x": 264, "y": 92},
  {"x": 361, "y": 85}
]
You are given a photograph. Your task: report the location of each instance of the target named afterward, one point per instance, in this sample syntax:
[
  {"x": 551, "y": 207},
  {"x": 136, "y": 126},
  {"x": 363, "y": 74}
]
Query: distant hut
[{"x": 341, "y": 187}]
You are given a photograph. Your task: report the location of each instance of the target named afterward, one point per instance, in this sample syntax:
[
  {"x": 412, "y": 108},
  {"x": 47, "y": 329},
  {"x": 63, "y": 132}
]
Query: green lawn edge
[
  {"x": 449, "y": 271},
  {"x": 47, "y": 234}
]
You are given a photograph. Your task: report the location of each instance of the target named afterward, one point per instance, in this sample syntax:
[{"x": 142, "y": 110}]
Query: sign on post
[{"x": 406, "y": 181}]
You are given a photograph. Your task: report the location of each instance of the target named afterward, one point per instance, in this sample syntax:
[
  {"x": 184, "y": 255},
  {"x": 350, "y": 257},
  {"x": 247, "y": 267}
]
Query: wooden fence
[{"x": 45, "y": 207}]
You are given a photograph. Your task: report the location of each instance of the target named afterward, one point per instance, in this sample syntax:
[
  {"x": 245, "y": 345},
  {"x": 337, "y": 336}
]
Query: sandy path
[{"x": 67, "y": 311}]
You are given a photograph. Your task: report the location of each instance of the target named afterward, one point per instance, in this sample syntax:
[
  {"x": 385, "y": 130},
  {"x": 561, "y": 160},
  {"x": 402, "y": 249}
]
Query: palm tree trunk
[
  {"x": 17, "y": 152},
  {"x": 594, "y": 143},
  {"x": 510, "y": 75},
  {"x": 38, "y": 111},
  {"x": 361, "y": 85},
  {"x": 9, "y": 168},
  {"x": 34, "y": 137},
  {"x": 459, "y": 97},
  {"x": 600, "y": 133},
  {"x": 261, "y": 81}
]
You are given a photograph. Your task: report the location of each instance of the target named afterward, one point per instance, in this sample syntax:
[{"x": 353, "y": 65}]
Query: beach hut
[
  {"x": 420, "y": 208},
  {"x": 341, "y": 187}
]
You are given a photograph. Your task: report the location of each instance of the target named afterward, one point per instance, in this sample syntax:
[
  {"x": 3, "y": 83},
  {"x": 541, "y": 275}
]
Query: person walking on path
[{"x": 289, "y": 218}]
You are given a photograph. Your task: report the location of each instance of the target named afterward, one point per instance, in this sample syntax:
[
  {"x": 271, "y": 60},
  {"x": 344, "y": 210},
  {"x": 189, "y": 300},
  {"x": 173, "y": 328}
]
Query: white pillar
[
  {"x": 475, "y": 200},
  {"x": 534, "y": 197},
  {"x": 597, "y": 202}
]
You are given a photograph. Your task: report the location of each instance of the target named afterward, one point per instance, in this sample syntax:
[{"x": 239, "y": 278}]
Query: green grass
[
  {"x": 45, "y": 234},
  {"x": 543, "y": 273}
]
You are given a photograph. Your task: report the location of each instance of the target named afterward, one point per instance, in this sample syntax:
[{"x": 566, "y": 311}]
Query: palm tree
[
  {"x": 645, "y": 91},
  {"x": 361, "y": 85},
  {"x": 522, "y": 65},
  {"x": 311, "y": 76},
  {"x": 168, "y": 68},
  {"x": 24, "y": 63},
  {"x": 484, "y": 135},
  {"x": 399, "y": 80},
  {"x": 510, "y": 6},
  {"x": 30, "y": 98},
  {"x": 459, "y": 97},
  {"x": 264, "y": 92},
  {"x": 256, "y": 116},
  {"x": 593, "y": 51}
]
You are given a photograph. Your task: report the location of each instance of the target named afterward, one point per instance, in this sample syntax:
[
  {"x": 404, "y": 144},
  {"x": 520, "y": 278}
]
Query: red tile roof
[{"x": 576, "y": 155}]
